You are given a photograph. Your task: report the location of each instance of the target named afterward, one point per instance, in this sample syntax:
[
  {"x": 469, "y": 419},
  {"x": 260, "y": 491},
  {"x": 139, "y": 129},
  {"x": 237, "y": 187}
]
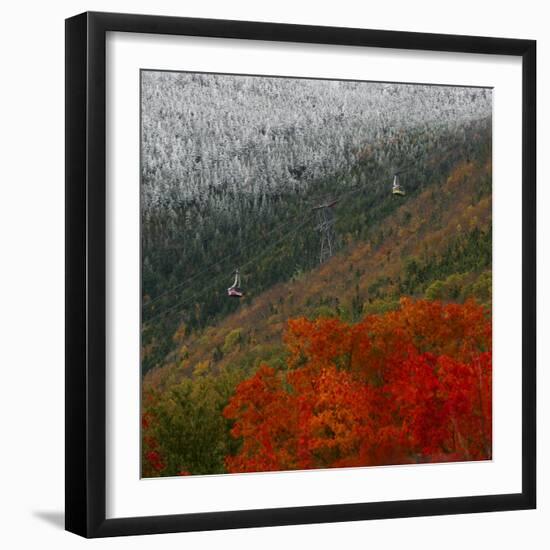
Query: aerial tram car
[
  {"x": 235, "y": 290},
  {"x": 397, "y": 188}
]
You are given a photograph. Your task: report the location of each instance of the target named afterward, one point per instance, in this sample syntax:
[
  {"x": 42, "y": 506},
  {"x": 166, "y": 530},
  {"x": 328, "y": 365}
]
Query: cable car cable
[
  {"x": 218, "y": 262},
  {"x": 178, "y": 305}
]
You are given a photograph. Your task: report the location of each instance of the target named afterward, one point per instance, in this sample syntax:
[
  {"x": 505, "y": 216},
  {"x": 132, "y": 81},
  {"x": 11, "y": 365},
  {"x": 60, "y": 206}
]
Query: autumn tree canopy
[{"x": 408, "y": 386}]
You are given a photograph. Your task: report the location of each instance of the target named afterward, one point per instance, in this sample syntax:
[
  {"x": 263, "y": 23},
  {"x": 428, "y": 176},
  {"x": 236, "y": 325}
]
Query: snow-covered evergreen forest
[
  {"x": 207, "y": 137},
  {"x": 230, "y": 164}
]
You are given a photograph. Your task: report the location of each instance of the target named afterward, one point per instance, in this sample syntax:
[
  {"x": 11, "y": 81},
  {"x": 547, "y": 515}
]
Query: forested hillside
[
  {"x": 436, "y": 245},
  {"x": 233, "y": 165},
  {"x": 379, "y": 354}
]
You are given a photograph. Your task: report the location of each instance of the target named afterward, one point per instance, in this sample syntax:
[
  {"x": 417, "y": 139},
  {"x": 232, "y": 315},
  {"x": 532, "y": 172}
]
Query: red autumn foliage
[
  {"x": 408, "y": 386},
  {"x": 152, "y": 461},
  {"x": 155, "y": 460}
]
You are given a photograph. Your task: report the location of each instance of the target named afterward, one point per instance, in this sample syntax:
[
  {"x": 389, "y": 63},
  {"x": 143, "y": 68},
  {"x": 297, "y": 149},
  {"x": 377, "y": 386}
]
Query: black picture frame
[{"x": 86, "y": 274}]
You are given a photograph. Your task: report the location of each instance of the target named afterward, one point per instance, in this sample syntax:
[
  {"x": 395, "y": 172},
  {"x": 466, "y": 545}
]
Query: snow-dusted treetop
[{"x": 208, "y": 135}]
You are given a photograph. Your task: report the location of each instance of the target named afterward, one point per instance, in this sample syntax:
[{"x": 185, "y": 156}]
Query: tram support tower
[{"x": 325, "y": 218}]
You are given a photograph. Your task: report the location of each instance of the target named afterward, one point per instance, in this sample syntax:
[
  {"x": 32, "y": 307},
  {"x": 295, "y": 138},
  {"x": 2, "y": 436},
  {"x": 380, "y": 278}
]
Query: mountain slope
[
  {"x": 436, "y": 243},
  {"x": 230, "y": 163}
]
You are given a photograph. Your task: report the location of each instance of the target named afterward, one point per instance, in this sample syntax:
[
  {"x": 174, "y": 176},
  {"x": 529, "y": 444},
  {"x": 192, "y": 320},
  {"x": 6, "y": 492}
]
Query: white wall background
[{"x": 32, "y": 271}]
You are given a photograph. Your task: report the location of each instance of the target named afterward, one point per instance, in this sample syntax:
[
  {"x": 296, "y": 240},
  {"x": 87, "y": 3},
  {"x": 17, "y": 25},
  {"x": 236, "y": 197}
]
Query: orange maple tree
[{"x": 413, "y": 385}]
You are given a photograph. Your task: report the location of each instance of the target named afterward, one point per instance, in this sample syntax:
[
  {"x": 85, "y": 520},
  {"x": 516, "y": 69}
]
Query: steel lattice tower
[{"x": 325, "y": 217}]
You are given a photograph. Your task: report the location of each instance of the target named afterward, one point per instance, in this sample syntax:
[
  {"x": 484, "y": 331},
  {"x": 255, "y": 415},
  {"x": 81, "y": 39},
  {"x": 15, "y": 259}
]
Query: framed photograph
[{"x": 300, "y": 274}]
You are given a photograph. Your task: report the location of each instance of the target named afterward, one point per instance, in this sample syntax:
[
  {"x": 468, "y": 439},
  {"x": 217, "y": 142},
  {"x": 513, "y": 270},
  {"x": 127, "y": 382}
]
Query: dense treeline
[
  {"x": 239, "y": 194},
  {"x": 206, "y": 138},
  {"x": 451, "y": 274},
  {"x": 408, "y": 386},
  {"x": 190, "y": 427},
  {"x": 382, "y": 354}
]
